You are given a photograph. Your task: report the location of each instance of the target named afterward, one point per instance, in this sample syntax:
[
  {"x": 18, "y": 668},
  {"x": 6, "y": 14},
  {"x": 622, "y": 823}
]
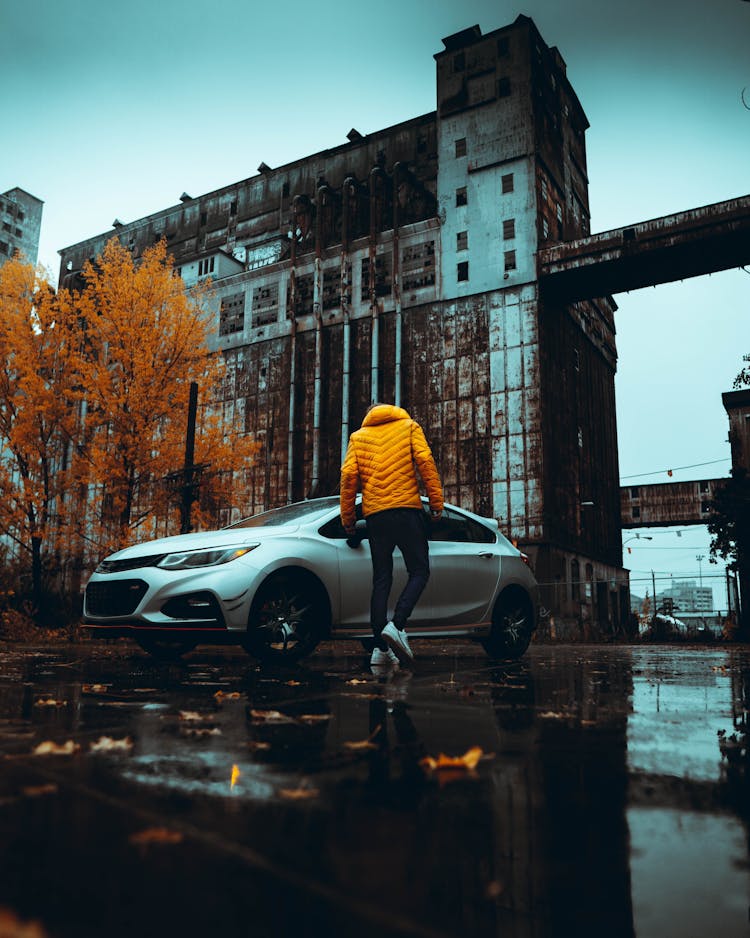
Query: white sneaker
[
  {"x": 398, "y": 642},
  {"x": 379, "y": 656}
]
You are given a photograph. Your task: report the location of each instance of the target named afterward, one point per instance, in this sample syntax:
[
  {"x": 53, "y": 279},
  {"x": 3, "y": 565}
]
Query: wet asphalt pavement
[{"x": 601, "y": 790}]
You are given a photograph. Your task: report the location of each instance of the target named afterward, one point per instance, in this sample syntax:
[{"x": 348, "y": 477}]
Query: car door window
[
  {"x": 334, "y": 529},
  {"x": 459, "y": 529}
]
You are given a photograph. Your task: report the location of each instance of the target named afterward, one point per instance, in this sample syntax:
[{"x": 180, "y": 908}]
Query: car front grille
[{"x": 118, "y": 598}]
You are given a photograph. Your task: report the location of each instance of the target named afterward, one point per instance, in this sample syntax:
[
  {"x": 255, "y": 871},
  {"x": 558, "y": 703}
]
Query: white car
[{"x": 282, "y": 581}]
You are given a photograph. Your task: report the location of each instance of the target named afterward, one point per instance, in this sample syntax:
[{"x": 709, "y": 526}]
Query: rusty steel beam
[{"x": 673, "y": 247}]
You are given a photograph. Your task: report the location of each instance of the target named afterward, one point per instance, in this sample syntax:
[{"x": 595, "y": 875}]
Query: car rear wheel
[
  {"x": 288, "y": 618},
  {"x": 512, "y": 625},
  {"x": 166, "y": 649}
]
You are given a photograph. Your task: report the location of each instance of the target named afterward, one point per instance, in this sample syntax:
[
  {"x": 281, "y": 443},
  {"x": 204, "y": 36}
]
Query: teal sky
[{"x": 113, "y": 110}]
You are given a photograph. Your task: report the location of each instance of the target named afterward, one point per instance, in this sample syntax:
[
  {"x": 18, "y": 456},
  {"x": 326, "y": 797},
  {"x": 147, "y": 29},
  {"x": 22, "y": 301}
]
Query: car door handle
[{"x": 486, "y": 555}]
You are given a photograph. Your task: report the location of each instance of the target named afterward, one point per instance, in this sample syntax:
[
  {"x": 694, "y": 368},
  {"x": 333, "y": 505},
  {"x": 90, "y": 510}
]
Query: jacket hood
[{"x": 384, "y": 413}]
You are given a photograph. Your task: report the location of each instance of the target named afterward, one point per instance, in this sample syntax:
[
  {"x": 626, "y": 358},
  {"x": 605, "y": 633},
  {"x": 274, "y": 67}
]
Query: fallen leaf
[
  {"x": 235, "y": 775},
  {"x": 356, "y": 680},
  {"x": 50, "y": 702},
  {"x": 468, "y": 760},
  {"x": 94, "y": 688},
  {"x": 314, "y": 717},
  {"x": 48, "y": 748},
  {"x": 192, "y": 715},
  {"x": 270, "y": 716},
  {"x": 299, "y": 794},
  {"x": 256, "y": 745},
  {"x": 293, "y": 683},
  {"x": 364, "y": 743},
  {"x": 13, "y": 927},
  {"x": 107, "y": 744},
  {"x": 551, "y": 715},
  {"x": 155, "y": 835},
  {"x": 36, "y": 791},
  {"x": 198, "y": 731},
  {"x": 222, "y": 695}
]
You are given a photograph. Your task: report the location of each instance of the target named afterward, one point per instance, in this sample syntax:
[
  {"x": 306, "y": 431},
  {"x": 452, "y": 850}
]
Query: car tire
[
  {"x": 512, "y": 625},
  {"x": 288, "y": 618},
  {"x": 166, "y": 649}
]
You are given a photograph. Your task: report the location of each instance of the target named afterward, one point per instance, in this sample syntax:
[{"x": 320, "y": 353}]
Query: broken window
[
  {"x": 510, "y": 260},
  {"x": 461, "y": 147},
  {"x": 509, "y": 228},
  {"x": 462, "y": 271},
  {"x": 461, "y": 196},
  {"x": 382, "y": 276},
  {"x": 232, "y": 314},
  {"x": 265, "y": 304},
  {"x": 462, "y": 241},
  {"x": 506, "y": 182},
  {"x": 418, "y": 266}
]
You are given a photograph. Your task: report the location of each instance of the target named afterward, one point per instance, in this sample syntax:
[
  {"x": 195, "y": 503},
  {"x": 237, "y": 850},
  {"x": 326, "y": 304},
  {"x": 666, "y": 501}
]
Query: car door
[
  {"x": 464, "y": 570},
  {"x": 355, "y": 577}
]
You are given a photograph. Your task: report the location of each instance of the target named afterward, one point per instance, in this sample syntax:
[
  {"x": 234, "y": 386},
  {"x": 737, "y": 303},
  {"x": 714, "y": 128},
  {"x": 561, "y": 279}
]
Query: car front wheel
[
  {"x": 512, "y": 625},
  {"x": 288, "y": 618}
]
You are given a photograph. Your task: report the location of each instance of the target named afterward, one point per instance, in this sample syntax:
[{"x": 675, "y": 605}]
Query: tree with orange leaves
[
  {"x": 94, "y": 389},
  {"x": 146, "y": 340},
  {"x": 38, "y": 342}
]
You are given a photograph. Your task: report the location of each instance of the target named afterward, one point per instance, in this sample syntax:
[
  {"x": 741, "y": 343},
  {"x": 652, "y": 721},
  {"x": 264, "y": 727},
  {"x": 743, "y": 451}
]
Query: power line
[{"x": 695, "y": 465}]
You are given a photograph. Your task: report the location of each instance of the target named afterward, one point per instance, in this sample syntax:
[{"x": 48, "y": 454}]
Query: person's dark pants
[{"x": 404, "y": 528}]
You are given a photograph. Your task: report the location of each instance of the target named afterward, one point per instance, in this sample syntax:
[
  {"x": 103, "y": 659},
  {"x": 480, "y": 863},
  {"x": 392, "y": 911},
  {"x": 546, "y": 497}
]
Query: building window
[
  {"x": 418, "y": 266},
  {"x": 233, "y": 207},
  {"x": 636, "y": 511},
  {"x": 3, "y": 247},
  {"x": 545, "y": 228},
  {"x": 462, "y": 241},
  {"x": 503, "y": 87},
  {"x": 383, "y": 276},
  {"x": 461, "y": 197},
  {"x": 459, "y": 62},
  {"x": 503, "y": 46},
  {"x": 635, "y": 492},
  {"x": 545, "y": 190},
  {"x": 506, "y": 182},
  {"x": 204, "y": 218},
  {"x": 19, "y": 233},
  {"x": 510, "y": 260},
  {"x": 461, "y": 147},
  {"x": 704, "y": 488},
  {"x": 232, "y": 314},
  {"x": 509, "y": 228},
  {"x": 462, "y": 271},
  {"x": 577, "y": 364},
  {"x": 265, "y": 304},
  {"x": 206, "y": 266},
  {"x": 575, "y": 580}
]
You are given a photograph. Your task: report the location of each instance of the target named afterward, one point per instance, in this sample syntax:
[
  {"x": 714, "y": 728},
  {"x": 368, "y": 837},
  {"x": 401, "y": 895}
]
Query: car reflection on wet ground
[{"x": 587, "y": 790}]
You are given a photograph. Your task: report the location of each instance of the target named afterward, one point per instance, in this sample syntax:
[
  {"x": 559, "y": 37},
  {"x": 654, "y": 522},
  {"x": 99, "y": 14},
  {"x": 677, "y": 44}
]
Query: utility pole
[
  {"x": 699, "y": 558},
  {"x": 188, "y": 471}
]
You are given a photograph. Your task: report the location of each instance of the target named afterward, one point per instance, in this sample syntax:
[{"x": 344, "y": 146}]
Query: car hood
[{"x": 202, "y": 540}]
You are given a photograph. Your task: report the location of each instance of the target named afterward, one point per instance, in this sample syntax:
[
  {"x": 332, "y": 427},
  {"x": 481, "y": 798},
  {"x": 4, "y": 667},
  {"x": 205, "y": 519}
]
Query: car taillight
[{"x": 525, "y": 558}]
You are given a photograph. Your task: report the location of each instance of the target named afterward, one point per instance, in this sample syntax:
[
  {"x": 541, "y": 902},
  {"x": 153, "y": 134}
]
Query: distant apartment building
[
  {"x": 686, "y": 596},
  {"x": 20, "y": 224},
  {"x": 401, "y": 266}
]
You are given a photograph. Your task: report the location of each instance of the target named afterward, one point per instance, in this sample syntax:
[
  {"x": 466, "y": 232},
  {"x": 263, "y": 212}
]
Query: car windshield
[{"x": 289, "y": 514}]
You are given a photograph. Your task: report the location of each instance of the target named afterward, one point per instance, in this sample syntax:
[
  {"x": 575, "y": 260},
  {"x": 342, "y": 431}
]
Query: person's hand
[{"x": 435, "y": 515}]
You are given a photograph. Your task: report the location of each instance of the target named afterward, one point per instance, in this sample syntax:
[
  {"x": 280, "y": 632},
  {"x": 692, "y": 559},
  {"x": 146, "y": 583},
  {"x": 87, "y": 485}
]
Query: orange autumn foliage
[{"x": 94, "y": 388}]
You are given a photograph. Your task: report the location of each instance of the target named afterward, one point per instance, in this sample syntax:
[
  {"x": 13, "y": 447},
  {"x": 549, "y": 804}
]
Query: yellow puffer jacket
[{"x": 380, "y": 460}]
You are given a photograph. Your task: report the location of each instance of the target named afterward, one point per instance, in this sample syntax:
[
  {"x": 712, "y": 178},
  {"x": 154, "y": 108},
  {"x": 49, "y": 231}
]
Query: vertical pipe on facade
[
  {"x": 347, "y": 194},
  {"x": 317, "y": 304},
  {"x": 398, "y": 177},
  {"x": 292, "y": 314},
  {"x": 377, "y": 188}
]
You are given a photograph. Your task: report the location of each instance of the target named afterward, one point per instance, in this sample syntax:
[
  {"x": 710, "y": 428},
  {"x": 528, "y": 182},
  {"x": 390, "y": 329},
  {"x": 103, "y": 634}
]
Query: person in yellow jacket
[{"x": 385, "y": 459}]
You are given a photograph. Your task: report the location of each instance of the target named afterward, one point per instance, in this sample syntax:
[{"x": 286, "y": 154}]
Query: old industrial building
[
  {"x": 402, "y": 266},
  {"x": 21, "y": 221}
]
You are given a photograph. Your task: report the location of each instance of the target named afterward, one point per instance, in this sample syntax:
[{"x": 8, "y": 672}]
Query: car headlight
[{"x": 187, "y": 559}]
